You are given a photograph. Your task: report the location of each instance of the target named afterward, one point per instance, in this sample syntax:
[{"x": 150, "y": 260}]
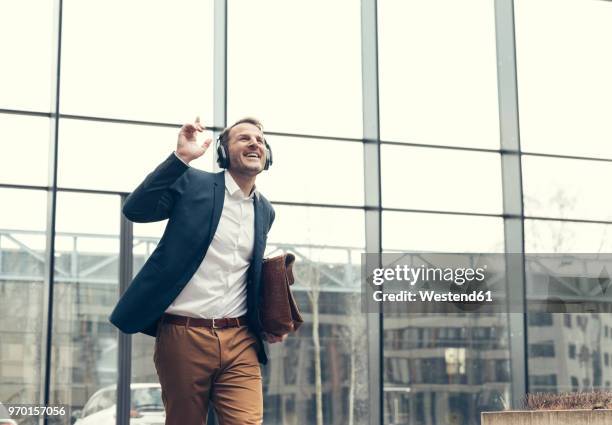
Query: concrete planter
[{"x": 548, "y": 417}]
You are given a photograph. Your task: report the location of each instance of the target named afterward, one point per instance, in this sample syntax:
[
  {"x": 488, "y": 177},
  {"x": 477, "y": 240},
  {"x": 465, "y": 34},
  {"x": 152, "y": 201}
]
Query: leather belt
[{"x": 225, "y": 322}]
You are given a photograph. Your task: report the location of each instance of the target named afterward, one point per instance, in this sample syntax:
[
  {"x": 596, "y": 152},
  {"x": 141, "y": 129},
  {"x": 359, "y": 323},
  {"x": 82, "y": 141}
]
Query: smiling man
[{"x": 198, "y": 292}]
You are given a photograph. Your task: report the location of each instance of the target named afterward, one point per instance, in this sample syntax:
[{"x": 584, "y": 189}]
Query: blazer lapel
[
  {"x": 259, "y": 226},
  {"x": 218, "y": 200}
]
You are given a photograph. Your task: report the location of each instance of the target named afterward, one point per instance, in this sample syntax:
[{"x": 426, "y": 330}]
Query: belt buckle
[{"x": 213, "y": 325}]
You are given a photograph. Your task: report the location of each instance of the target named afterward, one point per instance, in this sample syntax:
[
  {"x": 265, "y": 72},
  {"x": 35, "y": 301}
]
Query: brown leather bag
[{"x": 279, "y": 312}]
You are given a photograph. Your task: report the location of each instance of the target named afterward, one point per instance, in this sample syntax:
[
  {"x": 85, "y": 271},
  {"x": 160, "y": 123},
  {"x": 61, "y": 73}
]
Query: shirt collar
[{"x": 234, "y": 190}]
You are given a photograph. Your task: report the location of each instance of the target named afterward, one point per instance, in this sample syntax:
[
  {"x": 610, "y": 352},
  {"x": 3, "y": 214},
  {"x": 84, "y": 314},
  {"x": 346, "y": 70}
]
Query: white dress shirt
[{"x": 218, "y": 287}]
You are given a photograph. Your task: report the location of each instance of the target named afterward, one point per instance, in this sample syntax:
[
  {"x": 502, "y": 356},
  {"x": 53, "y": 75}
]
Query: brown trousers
[{"x": 198, "y": 365}]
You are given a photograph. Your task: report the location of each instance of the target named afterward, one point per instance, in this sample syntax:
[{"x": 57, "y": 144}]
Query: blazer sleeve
[{"x": 154, "y": 198}]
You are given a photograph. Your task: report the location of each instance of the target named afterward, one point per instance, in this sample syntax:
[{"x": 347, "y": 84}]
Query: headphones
[{"x": 223, "y": 154}]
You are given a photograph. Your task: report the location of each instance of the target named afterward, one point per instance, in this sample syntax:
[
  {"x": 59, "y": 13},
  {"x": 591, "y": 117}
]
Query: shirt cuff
[{"x": 181, "y": 159}]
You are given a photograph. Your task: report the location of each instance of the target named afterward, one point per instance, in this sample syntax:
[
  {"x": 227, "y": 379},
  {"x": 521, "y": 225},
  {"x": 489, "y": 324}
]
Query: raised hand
[{"x": 187, "y": 147}]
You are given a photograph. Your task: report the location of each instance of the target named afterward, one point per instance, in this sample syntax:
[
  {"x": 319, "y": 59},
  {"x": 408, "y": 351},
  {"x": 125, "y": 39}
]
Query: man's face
[{"x": 246, "y": 148}]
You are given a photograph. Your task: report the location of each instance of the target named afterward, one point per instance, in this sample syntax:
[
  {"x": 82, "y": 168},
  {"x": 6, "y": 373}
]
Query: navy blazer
[{"x": 192, "y": 201}]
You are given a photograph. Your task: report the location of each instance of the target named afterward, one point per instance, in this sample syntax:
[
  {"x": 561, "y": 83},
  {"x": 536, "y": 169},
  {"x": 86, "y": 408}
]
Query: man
[{"x": 198, "y": 292}]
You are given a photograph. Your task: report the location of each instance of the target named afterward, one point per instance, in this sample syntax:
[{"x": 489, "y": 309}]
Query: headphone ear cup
[
  {"x": 222, "y": 156},
  {"x": 268, "y": 156}
]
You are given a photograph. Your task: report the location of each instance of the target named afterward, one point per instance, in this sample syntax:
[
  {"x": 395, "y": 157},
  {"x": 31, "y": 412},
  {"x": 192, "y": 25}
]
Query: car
[
  {"x": 5, "y": 418},
  {"x": 147, "y": 406}
]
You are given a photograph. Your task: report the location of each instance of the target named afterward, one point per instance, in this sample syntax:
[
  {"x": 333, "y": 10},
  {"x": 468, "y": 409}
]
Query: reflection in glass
[
  {"x": 443, "y": 368},
  {"x": 569, "y": 351},
  {"x": 146, "y": 406},
  {"x": 84, "y": 351},
  {"x": 22, "y": 269},
  {"x": 324, "y": 365},
  {"x": 566, "y": 188},
  {"x": 551, "y": 236},
  {"x": 146, "y": 237}
]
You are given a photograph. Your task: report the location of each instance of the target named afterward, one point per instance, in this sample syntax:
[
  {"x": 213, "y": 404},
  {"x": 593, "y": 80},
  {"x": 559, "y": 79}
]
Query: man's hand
[
  {"x": 187, "y": 147},
  {"x": 273, "y": 338}
]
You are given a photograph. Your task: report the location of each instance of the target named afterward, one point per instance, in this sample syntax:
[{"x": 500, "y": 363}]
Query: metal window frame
[
  {"x": 512, "y": 189},
  {"x": 48, "y": 287},
  {"x": 372, "y": 196},
  {"x": 124, "y": 350},
  {"x": 219, "y": 72}
]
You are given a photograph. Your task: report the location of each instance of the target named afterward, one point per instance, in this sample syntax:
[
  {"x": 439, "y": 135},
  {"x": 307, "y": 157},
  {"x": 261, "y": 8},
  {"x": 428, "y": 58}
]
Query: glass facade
[{"x": 82, "y": 125}]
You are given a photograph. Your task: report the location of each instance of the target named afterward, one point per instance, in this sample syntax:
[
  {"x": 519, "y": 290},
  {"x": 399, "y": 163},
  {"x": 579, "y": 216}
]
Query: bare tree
[
  {"x": 311, "y": 279},
  {"x": 356, "y": 341}
]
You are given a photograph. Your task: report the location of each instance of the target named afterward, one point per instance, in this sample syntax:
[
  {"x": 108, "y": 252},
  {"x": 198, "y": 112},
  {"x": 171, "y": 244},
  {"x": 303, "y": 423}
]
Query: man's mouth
[{"x": 252, "y": 155}]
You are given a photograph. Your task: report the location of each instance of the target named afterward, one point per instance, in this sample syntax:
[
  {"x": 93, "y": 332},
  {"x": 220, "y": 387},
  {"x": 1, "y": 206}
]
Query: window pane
[
  {"x": 290, "y": 66},
  {"x": 566, "y": 237},
  {"x": 438, "y": 77},
  {"x": 84, "y": 348},
  {"x": 22, "y": 269},
  {"x": 327, "y": 243},
  {"x": 445, "y": 369},
  {"x": 441, "y": 233},
  {"x": 566, "y": 188},
  {"x": 117, "y": 157},
  {"x": 325, "y": 227},
  {"x": 577, "y": 355},
  {"x": 24, "y": 149},
  {"x": 154, "y": 63},
  {"x": 564, "y": 86},
  {"x": 146, "y": 237},
  {"x": 580, "y": 340},
  {"x": 26, "y": 28},
  {"x": 306, "y": 170},
  {"x": 437, "y": 179}
]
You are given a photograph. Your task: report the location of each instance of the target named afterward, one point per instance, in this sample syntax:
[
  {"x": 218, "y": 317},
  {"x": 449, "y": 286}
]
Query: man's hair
[{"x": 249, "y": 120}]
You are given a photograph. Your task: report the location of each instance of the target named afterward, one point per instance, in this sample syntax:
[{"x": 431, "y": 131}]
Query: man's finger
[
  {"x": 206, "y": 143},
  {"x": 189, "y": 128}
]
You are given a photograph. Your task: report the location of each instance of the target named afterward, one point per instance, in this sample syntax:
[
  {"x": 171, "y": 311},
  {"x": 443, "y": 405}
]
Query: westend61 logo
[
  {"x": 459, "y": 285},
  {"x": 430, "y": 282},
  {"x": 412, "y": 275}
]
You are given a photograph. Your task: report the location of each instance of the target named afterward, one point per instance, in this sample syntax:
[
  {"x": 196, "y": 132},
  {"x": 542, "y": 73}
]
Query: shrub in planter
[
  {"x": 592, "y": 408},
  {"x": 569, "y": 401}
]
